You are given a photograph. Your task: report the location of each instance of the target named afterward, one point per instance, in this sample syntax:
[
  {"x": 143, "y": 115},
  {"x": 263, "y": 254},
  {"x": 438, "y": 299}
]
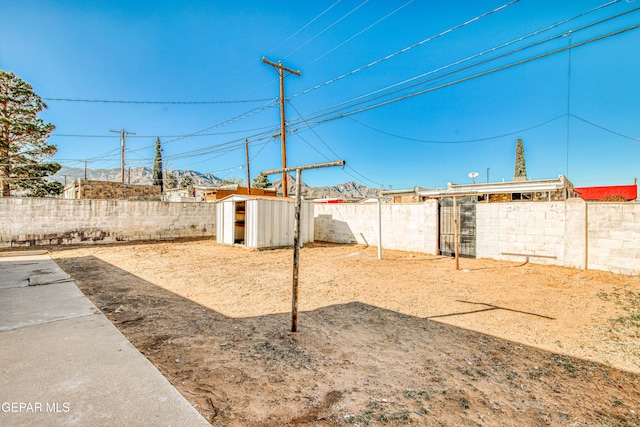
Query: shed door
[{"x": 466, "y": 207}]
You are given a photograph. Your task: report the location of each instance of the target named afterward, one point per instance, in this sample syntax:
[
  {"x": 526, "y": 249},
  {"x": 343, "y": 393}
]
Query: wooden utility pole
[
  {"x": 246, "y": 151},
  {"x": 122, "y": 133},
  {"x": 296, "y": 230},
  {"x": 283, "y": 134}
]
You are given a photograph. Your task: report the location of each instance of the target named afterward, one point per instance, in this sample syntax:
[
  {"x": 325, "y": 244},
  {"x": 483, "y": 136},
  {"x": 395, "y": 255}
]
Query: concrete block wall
[
  {"x": 43, "y": 221},
  {"x": 408, "y": 227},
  {"x": 613, "y": 235},
  {"x": 515, "y": 231}
]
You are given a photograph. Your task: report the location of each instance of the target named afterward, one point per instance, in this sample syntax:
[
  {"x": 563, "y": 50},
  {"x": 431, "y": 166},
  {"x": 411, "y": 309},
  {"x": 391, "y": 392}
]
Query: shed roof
[{"x": 240, "y": 197}]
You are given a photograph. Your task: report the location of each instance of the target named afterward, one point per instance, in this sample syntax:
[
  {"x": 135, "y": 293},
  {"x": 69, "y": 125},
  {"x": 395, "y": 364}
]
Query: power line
[
  {"x": 361, "y": 32},
  {"x": 386, "y": 91},
  {"x": 306, "y": 25},
  {"x": 326, "y": 29},
  {"x": 330, "y": 149},
  {"x": 605, "y": 129},
  {"x": 319, "y": 119},
  {"x": 67, "y": 135},
  {"x": 256, "y": 110},
  {"x": 105, "y": 101},
  {"x": 465, "y": 141},
  {"x": 406, "y": 49}
]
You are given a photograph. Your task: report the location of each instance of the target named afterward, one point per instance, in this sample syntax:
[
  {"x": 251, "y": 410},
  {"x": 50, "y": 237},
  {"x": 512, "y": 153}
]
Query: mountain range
[{"x": 144, "y": 176}]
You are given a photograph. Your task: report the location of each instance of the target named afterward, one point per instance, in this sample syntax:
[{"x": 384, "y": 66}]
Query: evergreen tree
[
  {"x": 157, "y": 166},
  {"x": 186, "y": 181},
  {"x": 520, "y": 173},
  {"x": 261, "y": 181},
  {"x": 170, "y": 181},
  {"x": 235, "y": 180},
  {"x": 23, "y": 140}
]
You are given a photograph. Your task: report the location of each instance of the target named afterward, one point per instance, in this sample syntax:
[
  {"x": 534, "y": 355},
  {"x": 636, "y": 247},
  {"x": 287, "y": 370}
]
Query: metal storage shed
[{"x": 261, "y": 221}]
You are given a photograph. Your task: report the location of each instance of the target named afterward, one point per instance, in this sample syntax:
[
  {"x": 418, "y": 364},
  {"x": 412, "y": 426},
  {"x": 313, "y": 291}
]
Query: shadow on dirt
[{"x": 351, "y": 364}]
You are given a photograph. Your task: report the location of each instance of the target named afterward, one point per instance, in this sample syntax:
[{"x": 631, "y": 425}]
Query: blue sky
[{"x": 420, "y": 117}]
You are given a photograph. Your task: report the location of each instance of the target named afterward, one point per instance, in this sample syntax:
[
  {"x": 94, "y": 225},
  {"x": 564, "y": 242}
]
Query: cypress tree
[
  {"x": 157, "y": 166},
  {"x": 520, "y": 172}
]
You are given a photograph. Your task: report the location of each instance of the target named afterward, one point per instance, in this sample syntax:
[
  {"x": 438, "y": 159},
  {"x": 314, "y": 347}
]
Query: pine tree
[
  {"x": 23, "y": 140},
  {"x": 520, "y": 173},
  {"x": 170, "y": 181},
  {"x": 186, "y": 181},
  {"x": 261, "y": 181},
  {"x": 157, "y": 166}
]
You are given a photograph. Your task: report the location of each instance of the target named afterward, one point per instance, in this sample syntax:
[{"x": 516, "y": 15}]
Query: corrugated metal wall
[{"x": 268, "y": 223}]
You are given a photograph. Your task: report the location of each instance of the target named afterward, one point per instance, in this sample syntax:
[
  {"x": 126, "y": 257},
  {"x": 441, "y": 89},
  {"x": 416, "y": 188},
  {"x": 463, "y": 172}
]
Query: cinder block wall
[
  {"x": 613, "y": 237},
  {"x": 599, "y": 236},
  {"x": 513, "y": 231},
  {"x": 408, "y": 227},
  {"x": 41, "y": 221}
]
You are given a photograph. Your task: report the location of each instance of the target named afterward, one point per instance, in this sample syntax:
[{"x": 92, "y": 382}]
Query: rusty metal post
[
  {"x": 246, "y": 151},
  {"x": 296, "y": 253},
  {"x": 296, "y": 230},
  {"x": 455, "y": 232}
]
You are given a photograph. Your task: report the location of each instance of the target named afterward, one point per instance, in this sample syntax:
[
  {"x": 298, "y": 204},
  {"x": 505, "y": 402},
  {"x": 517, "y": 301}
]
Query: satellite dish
[{"x": 473, "y": 176}]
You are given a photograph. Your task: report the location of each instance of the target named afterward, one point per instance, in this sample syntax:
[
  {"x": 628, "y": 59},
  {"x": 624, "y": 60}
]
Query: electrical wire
[
  {"x": 605, "y": 129},
  {"x": 386, "y": 91},
  {"x": 360, "y": 32},
  {"x": 306, "y": 25},
  {"x": 406, "y": 49},
  {"x": 326, "y": 29},
  {"x": 319, "y": 119},
  {"x": 330, "y": 149},
  {"x": 66, "y": 135},
  {"x": 105, "y": 101},
  {"x": 465, "y": 141}
]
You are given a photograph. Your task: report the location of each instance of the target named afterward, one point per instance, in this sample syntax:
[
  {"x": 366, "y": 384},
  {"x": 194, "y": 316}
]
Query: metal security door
[{"x": 466, "y": 212}]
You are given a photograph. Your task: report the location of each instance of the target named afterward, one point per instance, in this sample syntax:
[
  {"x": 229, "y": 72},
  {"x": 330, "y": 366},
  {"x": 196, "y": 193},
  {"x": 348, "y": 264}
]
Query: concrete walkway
[{"x": 62, "y": 362}]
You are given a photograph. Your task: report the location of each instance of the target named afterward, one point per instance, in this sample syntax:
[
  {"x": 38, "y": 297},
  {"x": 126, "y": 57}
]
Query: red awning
[{"x": 628, "y": 192}]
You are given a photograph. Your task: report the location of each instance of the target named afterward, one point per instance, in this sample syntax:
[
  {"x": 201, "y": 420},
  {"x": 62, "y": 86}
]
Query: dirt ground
[{"x": 407, "y": 340}]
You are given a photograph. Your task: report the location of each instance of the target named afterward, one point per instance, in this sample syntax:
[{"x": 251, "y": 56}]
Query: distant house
[
  {"x": 539, "y": 190},
  {"x": 610, "y": 193},
  {"x": 198, "y": 193},
  {"x": 217, "y": 193},
  {"x": 106, "y": 190}
]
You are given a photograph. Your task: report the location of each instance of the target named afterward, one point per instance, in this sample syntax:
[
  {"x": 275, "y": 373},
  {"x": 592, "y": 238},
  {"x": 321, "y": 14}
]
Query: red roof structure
[{"x": 628, "y": 192}]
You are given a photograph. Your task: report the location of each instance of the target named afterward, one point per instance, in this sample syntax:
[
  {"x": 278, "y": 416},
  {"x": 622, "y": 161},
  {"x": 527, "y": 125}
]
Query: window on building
[{"x": 520, "y": 196}]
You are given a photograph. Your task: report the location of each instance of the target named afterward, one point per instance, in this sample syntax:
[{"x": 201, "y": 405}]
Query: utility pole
[
  {"x": 246, "y": 151},
  {"x": 296, "y": 230},
  {"x": 122, "y": 133},
  {"x": 283, "y": 134}
]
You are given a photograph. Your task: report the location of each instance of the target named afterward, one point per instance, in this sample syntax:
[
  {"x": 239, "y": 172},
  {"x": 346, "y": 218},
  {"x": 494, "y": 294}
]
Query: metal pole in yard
[
  {"x": 379, "y": 229},
  {"x": 296, "y": 253},
  {"x": 455, "y": 231},
  {"x": 296, "y": 230},
  {"x": 246, "y": 151}
]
